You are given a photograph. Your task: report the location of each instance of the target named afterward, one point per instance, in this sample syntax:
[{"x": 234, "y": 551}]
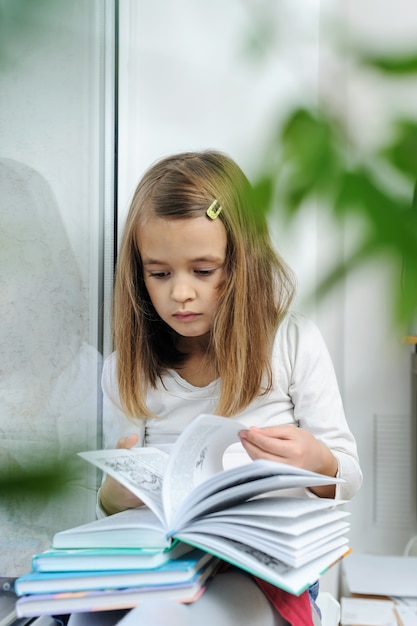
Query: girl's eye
[
  {"x": 158, "y": 274},
  {"x": 204, "y": 272}
]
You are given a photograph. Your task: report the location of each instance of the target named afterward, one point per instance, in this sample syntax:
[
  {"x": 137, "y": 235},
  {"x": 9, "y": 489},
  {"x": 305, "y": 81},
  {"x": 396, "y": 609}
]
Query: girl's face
[{"x": 183, "y": 264}]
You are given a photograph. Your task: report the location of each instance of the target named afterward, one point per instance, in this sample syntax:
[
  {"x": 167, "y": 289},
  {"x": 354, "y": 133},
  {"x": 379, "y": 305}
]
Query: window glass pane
[{"x": 53, "y": 136}]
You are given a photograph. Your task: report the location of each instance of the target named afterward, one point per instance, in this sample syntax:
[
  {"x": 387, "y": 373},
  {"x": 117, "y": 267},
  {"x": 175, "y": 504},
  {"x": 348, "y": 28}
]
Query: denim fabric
[{"x": 313, "y": 592}]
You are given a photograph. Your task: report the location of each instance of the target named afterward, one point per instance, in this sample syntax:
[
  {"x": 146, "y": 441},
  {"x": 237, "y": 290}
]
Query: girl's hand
[
  {"x": 114, "y": 497},
  {"x": 295, "y": 446}
]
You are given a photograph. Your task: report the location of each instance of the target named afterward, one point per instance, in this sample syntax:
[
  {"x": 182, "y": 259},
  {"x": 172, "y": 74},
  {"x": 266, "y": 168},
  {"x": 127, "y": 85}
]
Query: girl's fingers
[
  {"x": 128, "y": 442},
  {"x": 274, "y": 444}
]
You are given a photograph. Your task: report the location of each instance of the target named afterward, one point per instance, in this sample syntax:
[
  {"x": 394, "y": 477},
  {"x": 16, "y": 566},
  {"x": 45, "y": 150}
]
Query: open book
[{"x": 231, "y": 514}]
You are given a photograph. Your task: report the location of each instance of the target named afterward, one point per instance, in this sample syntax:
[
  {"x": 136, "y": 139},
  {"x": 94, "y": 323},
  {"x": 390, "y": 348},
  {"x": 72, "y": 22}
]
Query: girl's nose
[{"x": 182, "y": 291}]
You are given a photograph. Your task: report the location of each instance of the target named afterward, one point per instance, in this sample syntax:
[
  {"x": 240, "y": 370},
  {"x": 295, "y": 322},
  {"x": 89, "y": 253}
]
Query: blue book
[
  {"x": 107, "y": 599},
  {"x": 101, "y": 559},
  {"x": 180, "y": 570}
]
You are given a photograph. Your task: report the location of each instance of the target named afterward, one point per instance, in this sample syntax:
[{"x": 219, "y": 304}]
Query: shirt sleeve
[{"x": 318, "y": 407}]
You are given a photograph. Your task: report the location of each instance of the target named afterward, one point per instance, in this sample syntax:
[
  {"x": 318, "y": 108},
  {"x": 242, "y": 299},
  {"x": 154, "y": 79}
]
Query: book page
[
  {"x": 369, "y": 611},
  {"x": 196, "y": 456},
  {"x": 378, "y": 574},
  {"x": 281, "y": 506},
  {"x": 234, "y": 486},
  {"x": 256, "y": 562},
  {"x": 291, "y": 551},
  {"x": 407, "y": 615},
  {"x": 140, "y": 470},
  {"x": 292, "y": 527}
]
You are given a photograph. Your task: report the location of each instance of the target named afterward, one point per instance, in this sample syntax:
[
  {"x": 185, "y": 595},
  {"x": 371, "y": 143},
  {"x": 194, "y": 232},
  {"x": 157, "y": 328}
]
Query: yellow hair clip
[{"x": 212, "y": 213}]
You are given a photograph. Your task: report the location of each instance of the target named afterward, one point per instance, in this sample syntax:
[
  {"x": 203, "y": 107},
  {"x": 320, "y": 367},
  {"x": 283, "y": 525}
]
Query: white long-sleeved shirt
[{"x": 305, "y": 393}]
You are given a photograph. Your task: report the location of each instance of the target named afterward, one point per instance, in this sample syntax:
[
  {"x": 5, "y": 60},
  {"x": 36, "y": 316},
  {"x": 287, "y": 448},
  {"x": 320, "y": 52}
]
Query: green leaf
[
  {"x": 311, "y": 155},
  {"x": 405, "y": 64},
  {"x": 389, "y": 218},
  {"x": 406, "y": 300},
  {"x": 401, "y": 153},
  {"x": 263, "y": 193}
]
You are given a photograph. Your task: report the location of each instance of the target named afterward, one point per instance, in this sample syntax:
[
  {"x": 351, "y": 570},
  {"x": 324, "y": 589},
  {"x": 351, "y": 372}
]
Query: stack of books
[
  {"x": 196, "y": 516},
  {"x": 68, "y": 581}
]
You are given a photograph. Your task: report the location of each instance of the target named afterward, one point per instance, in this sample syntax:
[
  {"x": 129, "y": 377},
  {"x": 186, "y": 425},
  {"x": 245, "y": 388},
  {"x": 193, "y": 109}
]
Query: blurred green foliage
[
  {"x": 312, "y": 157},
  {"x": 52, "y": 476}
]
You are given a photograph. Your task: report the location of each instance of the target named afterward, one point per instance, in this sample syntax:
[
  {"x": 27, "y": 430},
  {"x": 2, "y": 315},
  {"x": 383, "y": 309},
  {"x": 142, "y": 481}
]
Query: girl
[{"x": 202, "y": 325}]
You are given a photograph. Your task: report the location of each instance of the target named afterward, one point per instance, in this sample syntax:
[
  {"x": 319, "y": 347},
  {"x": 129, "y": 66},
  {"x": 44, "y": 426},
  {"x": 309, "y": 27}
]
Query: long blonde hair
[{"x": 253, "y": 299}]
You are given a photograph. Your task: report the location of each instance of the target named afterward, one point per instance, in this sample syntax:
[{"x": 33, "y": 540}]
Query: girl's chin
[{"x": 190, "y": 337}]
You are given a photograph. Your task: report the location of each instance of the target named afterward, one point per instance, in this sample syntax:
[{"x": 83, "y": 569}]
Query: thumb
[{"x": 128, "y": 442}]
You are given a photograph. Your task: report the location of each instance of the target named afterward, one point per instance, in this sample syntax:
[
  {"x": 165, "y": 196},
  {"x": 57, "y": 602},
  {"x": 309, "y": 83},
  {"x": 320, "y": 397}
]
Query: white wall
[
  {"x": 188, "y": 82},
  {"x": 377, "y": 364}
]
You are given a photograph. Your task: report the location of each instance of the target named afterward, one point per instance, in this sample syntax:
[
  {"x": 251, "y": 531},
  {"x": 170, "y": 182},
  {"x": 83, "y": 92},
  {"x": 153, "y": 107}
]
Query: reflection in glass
[{"x": 48, "y": 371}]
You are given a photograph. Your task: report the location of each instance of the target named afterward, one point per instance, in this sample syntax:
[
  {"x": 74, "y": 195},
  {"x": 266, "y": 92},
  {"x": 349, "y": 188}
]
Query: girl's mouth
[{"x": 186, "y": 316}]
